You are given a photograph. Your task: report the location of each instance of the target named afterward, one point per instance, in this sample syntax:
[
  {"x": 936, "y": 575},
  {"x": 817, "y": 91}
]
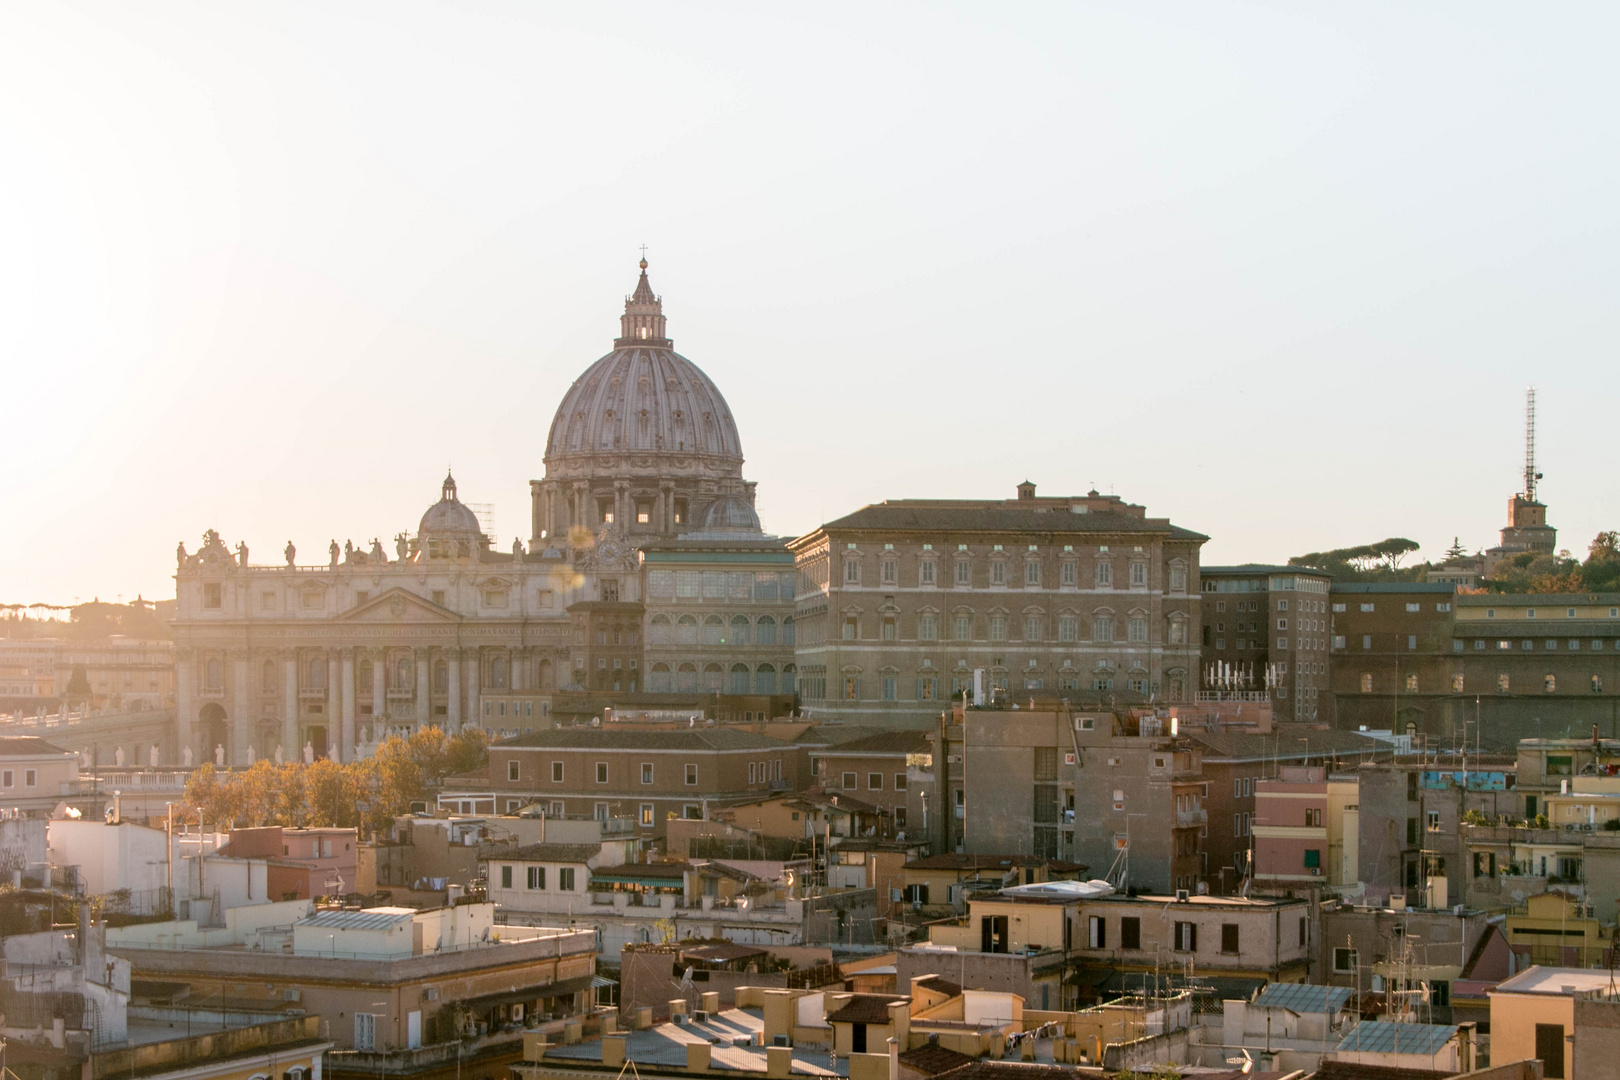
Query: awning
[
  {"x": 598, "y": 981},
  {"x": 649, "y": 880},
  {"x": 534, "y": 993}
]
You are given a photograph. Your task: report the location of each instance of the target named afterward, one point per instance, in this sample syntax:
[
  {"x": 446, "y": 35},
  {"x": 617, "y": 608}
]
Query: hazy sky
[{"x": 1279, "y": 272}]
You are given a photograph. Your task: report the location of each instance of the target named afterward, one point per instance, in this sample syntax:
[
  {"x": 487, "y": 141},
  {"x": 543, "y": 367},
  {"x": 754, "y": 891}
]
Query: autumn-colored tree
[{"x": 328, "y": 794}]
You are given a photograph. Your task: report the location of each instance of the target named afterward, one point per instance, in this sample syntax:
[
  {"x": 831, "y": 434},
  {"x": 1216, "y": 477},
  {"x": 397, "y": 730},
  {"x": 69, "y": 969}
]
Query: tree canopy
[
  {"x": 368, "y": 794},
  {"x": 1531, "y": 572},
  {"x": 1365, "y": 562}
]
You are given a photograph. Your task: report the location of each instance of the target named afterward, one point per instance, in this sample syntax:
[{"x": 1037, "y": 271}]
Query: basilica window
[
  {"x": 927, "y": 628},
  {"x": 889, "y": 630},
  {"x": 739, "y": 630},
  {"x": 212, "y": 595},
  {"x": 402, "y": 672},
  {"x": 888, "y": 572},
  {"x": 1139, "y": 575},
  {"x": 1032, "y": 628},
  {"x": 1066, "y": 573},
  {"x": 1105, "y": 575},
  {"x": 1102, "y": 628},
  {"x": 765, "y": 631},
  {"x": 927, "y": 687},
  {"x": 851, "y": 627},
  {"x": 789, "y": 633},
  {"x": 998, "y": 572},
  {"x": 789, "y": 679},
  {"x": 1178, "y": 579},
  {"x": 998, "y": 628},
  {"x": 441, "y": 677},
  {"x": 1136, "y": 630},
  {"x": 686, "y": 630},
  {"x": 739, "y": 678},
  {"x": 1178, "y": 631},
  {"x": 852, "y": 572},
  {"x": 1032, "y": 573},
  {"x": 765, "y": 679},
  {"x": 658, "y": 630},
  {"x": 714, "y": 630},
  {"x": 964, "y": 572},
  {"x": 925, "y": 572},
  {"x": 1068, "y": 628},
  {"x": 712, "y": 678},
  {"x": 962, "y": 628}
]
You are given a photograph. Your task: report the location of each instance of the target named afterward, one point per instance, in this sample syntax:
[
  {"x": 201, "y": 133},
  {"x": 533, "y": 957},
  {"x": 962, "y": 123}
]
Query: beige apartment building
[
  {"x": 649, "y": 776},
  {"x": 899, "y": 602}
]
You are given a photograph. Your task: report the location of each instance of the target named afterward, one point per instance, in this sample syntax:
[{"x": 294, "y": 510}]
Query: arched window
[
  {"x": 497, "y": 673},
  {"x": 713, "y": 678},
  {"x": 739, "y": 630},
  {"x": 686, "y": 630},
  {"x": 765, "y": 631},
  {"x": 214, "y": 675},
  {"x": 787, "y": 630},
  {"x": 660, "y": 680},
  {"x": 788, "y": 682},
  {"x": 686, "y": 678},
  {"x": 714, "y": 630},
  {"x": 765, "y": 679},
  {"x": 441, "y": 677},
  {"x": 658, "y": 630},
  {"x": 739, "y": 678}
]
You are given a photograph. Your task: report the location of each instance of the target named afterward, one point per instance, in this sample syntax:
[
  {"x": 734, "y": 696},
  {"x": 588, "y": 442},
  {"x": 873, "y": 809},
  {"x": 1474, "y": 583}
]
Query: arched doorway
[{"x": 212, "y": 731}]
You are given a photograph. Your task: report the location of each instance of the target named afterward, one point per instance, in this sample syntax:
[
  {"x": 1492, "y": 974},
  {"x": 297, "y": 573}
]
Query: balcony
[{"x": 1192, "y": 817}]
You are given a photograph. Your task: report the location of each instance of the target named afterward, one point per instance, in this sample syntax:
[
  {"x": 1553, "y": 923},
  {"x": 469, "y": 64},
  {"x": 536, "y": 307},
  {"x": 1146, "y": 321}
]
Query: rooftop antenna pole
[{"x": 1530, "y": 474}]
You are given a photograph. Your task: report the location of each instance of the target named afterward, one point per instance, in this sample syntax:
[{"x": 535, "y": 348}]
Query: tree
[
  {"x": 1365, "y": 562},
  {"x": 1455, "y": 551}
]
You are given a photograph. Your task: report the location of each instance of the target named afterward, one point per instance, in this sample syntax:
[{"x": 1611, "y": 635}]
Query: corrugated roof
[
  {"x": 865, "y": 1009},
  {"x": 884, "y": 742},
  {"x": 1238, "y": 746},
  {"x": 972, "y": 517},
  {"x": 715, "y": 738},
  {"x": 549, "y": 853},
  {"x": 1259, "y": 568},
  {"x": 931, "y": 1060},
  {"x": 368, "y": 919},
  {"x": 1303, "y": 997},
  {"x": 1386, "y": 1037},
  {"x": 27, "y": 744}
]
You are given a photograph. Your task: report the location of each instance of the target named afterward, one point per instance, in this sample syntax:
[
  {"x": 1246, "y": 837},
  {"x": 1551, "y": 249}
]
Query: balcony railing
[{"x": 1192, "y": 817}]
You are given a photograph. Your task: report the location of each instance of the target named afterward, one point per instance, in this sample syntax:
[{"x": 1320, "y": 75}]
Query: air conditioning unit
[
  {"x": 1586, "y": 828},
  {"x": 1316, "y": 871},
  {"x": 1181, "y": 896},
  {"x": 290, "y": 994},
  {"x": 430, "y": 994}
]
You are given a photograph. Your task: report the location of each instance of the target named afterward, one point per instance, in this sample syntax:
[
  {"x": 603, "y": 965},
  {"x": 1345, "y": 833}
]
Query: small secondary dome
[
  {"x": 449, "y": 514},
  {"x": 730, "y": 514}
]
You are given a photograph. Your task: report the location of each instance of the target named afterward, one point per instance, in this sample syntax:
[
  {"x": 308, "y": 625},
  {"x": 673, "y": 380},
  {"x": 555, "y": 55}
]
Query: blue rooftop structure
[
  {"x": 1386, "y": 1037},
  {"x": 1303, "y": 998}
]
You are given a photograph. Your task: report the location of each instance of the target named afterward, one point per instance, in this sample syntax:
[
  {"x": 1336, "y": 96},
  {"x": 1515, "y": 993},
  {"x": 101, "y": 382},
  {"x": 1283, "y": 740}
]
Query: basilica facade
[{"x": 643, "y": 460}]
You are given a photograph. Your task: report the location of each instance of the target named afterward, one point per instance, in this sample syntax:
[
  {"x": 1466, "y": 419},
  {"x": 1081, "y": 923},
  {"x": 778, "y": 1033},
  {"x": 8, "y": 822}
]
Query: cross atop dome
[{"x": 643, "y": 320}]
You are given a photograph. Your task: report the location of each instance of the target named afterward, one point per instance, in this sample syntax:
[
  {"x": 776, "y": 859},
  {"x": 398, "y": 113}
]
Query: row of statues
[{"x": 348, "y": 553}]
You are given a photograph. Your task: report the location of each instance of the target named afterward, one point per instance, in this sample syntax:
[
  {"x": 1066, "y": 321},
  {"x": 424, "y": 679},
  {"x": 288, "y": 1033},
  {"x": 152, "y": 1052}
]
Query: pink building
[
  {"x": 303, "y": 863},
  {"x": 1305, "y": 827}
]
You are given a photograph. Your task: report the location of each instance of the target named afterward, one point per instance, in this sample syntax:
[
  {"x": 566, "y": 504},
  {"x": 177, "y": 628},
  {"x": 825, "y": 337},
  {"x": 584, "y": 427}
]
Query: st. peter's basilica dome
[{"x": 645, "y": 398}]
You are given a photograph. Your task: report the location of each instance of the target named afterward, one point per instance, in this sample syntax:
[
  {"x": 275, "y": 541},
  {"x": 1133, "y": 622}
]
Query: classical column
[
  {"x": 666, "y": 508},
  {"x": 185, "y": 702},
  {"x": 452, "y": 661},
  {"x": 424, "y": 702},
  {"x": 536, "y": 520},
  {"x": 241, "y": 708},
  {"x": 345, "y": 742},
  {"x": 334, "y": 699},
  {"x": 379, "y": 689},
  {"x": 289, "y": 709},
  {"x": 621, "y": 504},
  {"x": 471, "y": 682}
]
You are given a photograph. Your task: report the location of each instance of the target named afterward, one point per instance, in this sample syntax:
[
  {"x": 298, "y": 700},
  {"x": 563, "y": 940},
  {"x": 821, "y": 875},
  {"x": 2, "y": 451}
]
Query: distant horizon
[{"x": 1280, "y": 276}]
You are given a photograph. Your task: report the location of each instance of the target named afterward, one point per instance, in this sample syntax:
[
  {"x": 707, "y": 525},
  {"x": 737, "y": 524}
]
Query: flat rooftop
[
  {"x": 1559, "y": 980},
  {"x": 665, "y": 1044}
]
